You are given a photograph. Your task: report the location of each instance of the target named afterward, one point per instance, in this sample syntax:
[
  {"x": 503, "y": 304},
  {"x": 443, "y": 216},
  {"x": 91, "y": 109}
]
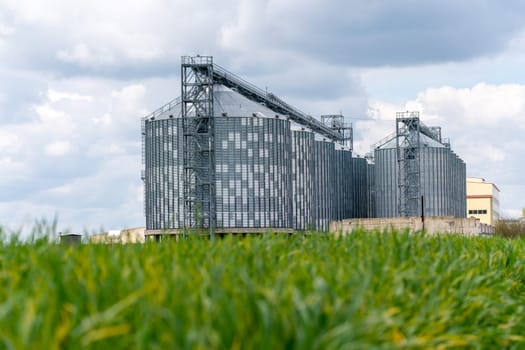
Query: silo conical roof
[
  {"x": 227, "y": 102},
  {"x": 424, "y": 140}
]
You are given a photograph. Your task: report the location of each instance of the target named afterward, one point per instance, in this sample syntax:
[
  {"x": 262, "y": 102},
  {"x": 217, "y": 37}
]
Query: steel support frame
[
  {"x": 336, "y": 122},
  {"x": 199, "y": 144},
  {"x": 408, "y": 161},
  {"x": 253, "y": 93}
]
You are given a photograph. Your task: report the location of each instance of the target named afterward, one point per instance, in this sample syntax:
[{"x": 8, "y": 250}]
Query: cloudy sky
[{"x": 77, "y": 76}]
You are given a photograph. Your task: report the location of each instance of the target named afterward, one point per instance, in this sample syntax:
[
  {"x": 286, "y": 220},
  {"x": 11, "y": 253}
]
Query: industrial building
[
  {"x": 482, "y": 200},
  {"x": 227, "y": 156}
]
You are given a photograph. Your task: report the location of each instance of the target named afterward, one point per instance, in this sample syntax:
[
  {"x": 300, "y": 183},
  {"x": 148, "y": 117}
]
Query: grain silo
[
  {"x": 252, "y": 154},
  {"x": 415, "y": 169},
  {"x": 235, "y": 158}
]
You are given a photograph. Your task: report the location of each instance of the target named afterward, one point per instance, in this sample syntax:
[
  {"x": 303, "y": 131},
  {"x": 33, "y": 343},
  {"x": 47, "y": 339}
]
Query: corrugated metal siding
[
  {"x": 371, "y": 188},
  {"x": 253, "y": 172},
  {"x": 386, "y": 182},
  {"x": 343, "y": 185},
  {"x": 163, "y": 174},
  {"x": 266, "y": 176},
  {"x": 442, "y": 179},
  {"x": 324, "y": 154},
  {"x": 360, "y": 188},
  {"x": 303, "y": 180}
]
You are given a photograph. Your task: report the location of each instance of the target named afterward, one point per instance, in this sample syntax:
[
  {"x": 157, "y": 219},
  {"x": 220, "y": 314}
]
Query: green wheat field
[{"x": 364, "y": 290}]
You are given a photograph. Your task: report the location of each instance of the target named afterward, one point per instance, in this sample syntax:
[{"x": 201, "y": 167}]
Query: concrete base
[
  {"x": 432, "y": 225},
  {"x": 220, "y": 231}
]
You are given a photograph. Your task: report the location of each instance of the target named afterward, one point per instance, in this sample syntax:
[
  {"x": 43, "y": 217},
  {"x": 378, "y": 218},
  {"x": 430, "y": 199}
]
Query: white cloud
[
  {"x": 86, "y": 56},
  {"x": 482, "y": 105},
  {"x": 96, "y": 154},
  {"x": 58, "y": 148},
  {"x": 6, "y": 30},
  {"x": 55, "y": 96}
]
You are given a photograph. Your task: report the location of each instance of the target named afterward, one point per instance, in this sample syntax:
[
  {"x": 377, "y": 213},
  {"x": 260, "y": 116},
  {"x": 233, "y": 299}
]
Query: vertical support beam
[
  {"x": 408, "y": 160},
  {"x": 199, "y": 143}
]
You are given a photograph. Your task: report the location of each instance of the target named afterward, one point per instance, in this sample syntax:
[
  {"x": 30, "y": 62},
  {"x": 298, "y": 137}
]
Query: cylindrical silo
[
  {"x": 266, "y": 175},
  {"x": 252, "y": 164},
  {"x": 441, "y": 179}
]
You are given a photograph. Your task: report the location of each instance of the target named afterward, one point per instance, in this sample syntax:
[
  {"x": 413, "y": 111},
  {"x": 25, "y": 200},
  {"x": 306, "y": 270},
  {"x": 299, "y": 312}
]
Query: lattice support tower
[
  {"x": 336, "y": 122},
  {"x": 408, "y": 160},
  {"x": 199, "y": 143}
]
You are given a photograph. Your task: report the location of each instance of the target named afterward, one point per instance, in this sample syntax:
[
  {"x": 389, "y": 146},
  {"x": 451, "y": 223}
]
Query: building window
[{"x": 477, "y": 211}]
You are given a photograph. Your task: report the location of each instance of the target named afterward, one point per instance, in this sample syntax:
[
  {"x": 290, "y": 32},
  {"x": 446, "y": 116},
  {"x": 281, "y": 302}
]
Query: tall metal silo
[
  {"x": 415, "y": 166},
  {"x": 252, "y": 166},
  {"x": 224, "y": 156}
]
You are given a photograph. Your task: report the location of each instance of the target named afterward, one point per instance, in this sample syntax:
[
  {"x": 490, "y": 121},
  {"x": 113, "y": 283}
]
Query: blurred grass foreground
[{"x": 364, "y": 290}]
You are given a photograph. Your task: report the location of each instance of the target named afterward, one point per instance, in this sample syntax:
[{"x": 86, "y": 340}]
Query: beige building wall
[{"x": 482, "y": 200}]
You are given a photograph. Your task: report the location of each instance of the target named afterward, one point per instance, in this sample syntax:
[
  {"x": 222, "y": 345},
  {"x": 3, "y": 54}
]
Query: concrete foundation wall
[{"x": 432, "y": 225}]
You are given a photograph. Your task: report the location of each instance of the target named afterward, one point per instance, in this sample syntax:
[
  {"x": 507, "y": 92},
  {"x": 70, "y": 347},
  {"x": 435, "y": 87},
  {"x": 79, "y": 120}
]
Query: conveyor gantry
[{"x": 252, "y": 92}]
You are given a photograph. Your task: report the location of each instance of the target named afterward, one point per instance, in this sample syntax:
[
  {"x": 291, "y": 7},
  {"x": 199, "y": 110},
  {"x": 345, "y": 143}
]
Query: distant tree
[{"x": 510, "y": 228}]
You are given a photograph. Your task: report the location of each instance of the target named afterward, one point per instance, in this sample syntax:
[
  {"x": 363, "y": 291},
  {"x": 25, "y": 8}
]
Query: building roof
[{"x": 481, "y": 180}]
